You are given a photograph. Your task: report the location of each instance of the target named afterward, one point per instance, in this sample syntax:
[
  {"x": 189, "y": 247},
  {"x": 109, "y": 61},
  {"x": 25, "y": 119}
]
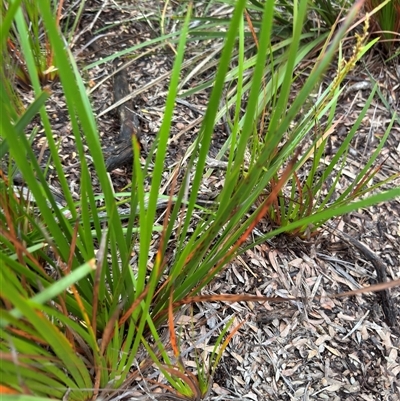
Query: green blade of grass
[
  {"x": 53, "y": 337},
  {"x": 55, "y": 289}
]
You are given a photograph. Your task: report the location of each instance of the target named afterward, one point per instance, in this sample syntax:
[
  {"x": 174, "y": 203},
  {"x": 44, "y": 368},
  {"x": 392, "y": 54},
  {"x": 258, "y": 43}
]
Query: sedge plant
[
  {"x": 84, "y": 296},
  {"x": 305, "y": 197},
  {"x": 41, "y": 55},
  {"x": 26, "y": 50},
  {"x": 385, "y": 18}
]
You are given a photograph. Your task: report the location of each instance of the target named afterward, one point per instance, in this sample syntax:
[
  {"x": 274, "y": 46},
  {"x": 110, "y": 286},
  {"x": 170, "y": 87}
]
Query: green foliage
[
  {"x": 28, "y": 48},
  {"x": 76, "y": 311},
  {"x": 385, "y": 18},
  {"x": 329, "y": 11},
  {"x": 308, "y": 196}
]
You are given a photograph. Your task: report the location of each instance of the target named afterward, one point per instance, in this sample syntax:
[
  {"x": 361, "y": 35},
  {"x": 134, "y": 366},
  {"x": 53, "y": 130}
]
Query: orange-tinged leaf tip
[{"x": 7, "y": 390}]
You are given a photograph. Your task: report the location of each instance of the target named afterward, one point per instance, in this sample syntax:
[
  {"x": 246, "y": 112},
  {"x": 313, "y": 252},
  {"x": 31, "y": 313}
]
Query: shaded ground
[{"x": 338, "y": 349}]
